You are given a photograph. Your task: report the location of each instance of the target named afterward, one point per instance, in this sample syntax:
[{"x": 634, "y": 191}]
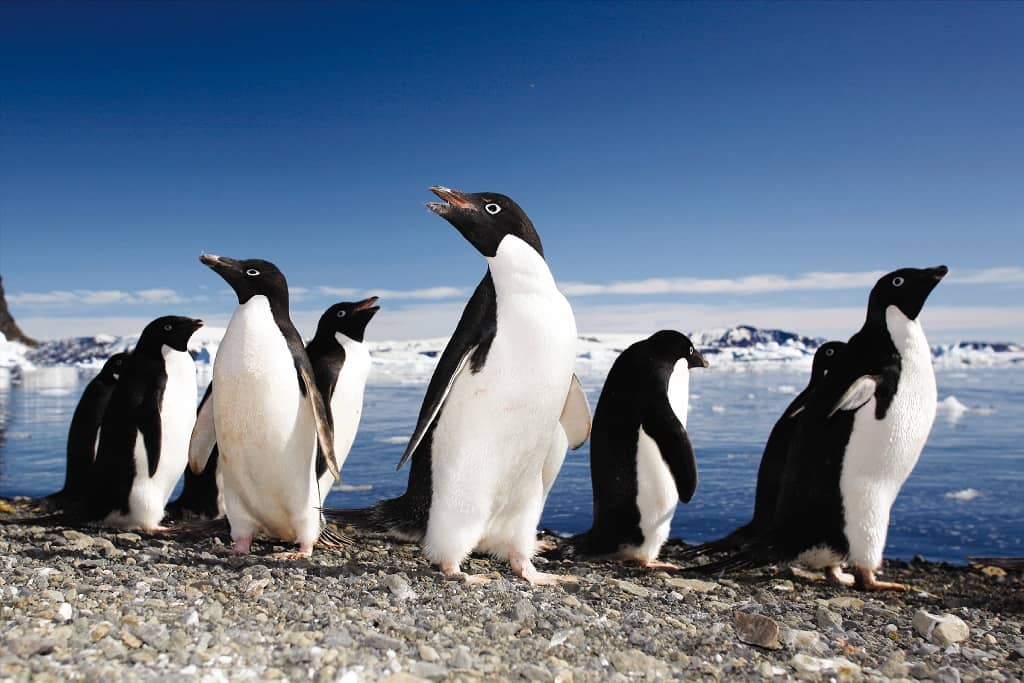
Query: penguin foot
[
  {"x": 523, "y": 566},
  {"x": 241, "y": 545},
  {"x": 655, "y": 564},
  {"x": 866, "y": 581},
  {"x": 452, "y": 571},
  {"x": 837, "y": 576}
]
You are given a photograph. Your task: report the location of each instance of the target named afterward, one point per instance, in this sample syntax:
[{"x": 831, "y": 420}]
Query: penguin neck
[
  {"x": 906, "y": 334},
  {"x": 679, "y": 389},
  {"x": 518, "y": 267}
]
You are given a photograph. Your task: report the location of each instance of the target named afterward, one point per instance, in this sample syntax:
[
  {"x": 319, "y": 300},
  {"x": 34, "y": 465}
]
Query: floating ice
[
  {"x": 964, "y": 494},
  {"x": 952, "y": 408},
  {"x": 394, "y": 439}
]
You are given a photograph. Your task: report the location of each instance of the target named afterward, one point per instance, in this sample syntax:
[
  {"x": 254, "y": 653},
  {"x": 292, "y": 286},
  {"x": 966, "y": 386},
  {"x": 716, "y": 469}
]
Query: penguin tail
[
  {"x": 751, "y": 557},
  {"x": 59, "y": 518},
  {"x": 394, "y": 517},
  {"x": 552, "y": 545},
  {"x": 198, "y": 529},
  {"x": 332, "y": 538},
  {"x": 733, "y": 541}
]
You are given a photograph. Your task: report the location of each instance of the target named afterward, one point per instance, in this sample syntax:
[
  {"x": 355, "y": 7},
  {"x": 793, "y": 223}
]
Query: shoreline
[{"x": 101, "y": 604}]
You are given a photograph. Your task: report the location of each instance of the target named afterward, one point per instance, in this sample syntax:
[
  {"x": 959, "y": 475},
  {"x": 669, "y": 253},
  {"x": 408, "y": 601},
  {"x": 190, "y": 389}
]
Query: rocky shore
[{"x": 110, "y": 606}]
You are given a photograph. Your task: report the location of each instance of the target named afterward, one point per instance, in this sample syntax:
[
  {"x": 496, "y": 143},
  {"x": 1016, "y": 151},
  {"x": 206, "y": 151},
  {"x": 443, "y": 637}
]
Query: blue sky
[{"x": 665, "y": 152}]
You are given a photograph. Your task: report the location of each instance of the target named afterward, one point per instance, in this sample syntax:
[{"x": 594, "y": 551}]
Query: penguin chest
[
  {"x": 679, "y": 390},
  {"x": 177, "y": 416},
  {"x": 656, "y": 496},
  {"x": 265, "y": 429},
  {"x": 347, "y": 400}
]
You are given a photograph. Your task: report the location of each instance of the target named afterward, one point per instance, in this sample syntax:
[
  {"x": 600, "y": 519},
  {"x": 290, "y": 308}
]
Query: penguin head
[
  {"x": 170, "y": 330},
  {"x": 825, "y": 359},
  {"x": 113, "y": 368},
  {"x": 485, "y": 218},
  {"x": 249, "y": 277},
  {"x": 906, "y": 288},
  {"x": 347, "y": 318},
  {"x": 671, "y": 346}
]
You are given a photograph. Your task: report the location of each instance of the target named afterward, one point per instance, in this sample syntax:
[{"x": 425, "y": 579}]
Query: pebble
[
  {"x": 943, "y": 629},
  {"x": 826, "y": 619},
  {"x": 694, "y": 585},
  {"x": 755, "y": 629},
  {"x": 633, "y": 589}
]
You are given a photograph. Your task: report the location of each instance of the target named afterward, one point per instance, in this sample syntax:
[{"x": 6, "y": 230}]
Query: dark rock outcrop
[{"x": 8, "y": 327}]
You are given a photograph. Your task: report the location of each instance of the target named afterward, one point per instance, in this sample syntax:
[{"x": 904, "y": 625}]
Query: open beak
[
  {"x": 367, "y": 305},
  {"x": 449, "y": 199}
]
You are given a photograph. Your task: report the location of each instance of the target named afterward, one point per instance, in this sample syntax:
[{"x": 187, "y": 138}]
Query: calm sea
[{"x": 981, "y": 452}]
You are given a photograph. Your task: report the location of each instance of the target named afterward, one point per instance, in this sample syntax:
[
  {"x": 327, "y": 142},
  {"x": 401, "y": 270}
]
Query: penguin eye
[
  {"x": 829, "y": 352},
  {"x": 252, "y": 272},
  {"x": 691, "y": 350},
  {"x": 168, "y": 327},
  {"x": 824, "y": 372},
  {"x": 492, "y": 208},
  {"x": 342, "y": 313},
  {"x": 897, "y": 281}
]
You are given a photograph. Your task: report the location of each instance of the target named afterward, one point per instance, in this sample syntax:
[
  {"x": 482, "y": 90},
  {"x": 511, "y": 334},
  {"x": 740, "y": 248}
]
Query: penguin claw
[
  {"x": 865, "y": 580},
  {"x": 655, "y": 564},
  {"x": 544, "y": 545},
  {"x": 837, "y": 576}
]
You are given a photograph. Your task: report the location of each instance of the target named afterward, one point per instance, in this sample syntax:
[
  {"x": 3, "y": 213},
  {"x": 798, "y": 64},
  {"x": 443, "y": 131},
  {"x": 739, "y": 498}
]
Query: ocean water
[{"x": 964, "y": 497}]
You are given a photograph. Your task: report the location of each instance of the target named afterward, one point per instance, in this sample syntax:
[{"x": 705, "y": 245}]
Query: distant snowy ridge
[{"x": 743, "y": 349}]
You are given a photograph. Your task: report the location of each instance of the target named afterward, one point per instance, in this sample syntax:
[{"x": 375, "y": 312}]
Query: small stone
[
  {"x": 693, "y": 585},
  {"x": 826, "y": 619},
  {"x": 843, "y": 668},
  {"x": 462, "y": 659},
  {"x": 757, "y": 629},
  {"x": 382, "y": 642},
  {"x": 399, "y": 587},
  {"x": 100, "y": 630},
  {"x": 129, "y": 537},
  {"x": 783, "y": 585},
  {"x": 637, "y": 662},
  {"x": 633, "y": 589},
  {"x": 130, "y": 640},
  {"x": 845, "y": 602},
  {"x": 946, "y": 674},
  {"x": 428, "y": 670},
  {"x": 798, "y": 639},
  {"x": 524, "y": 610},
  {"x": 78, "y": 540},
  {"x": 428, "y": 654},
  {"x": 942, "y": 630},
  {"x": 64, "y": 612}
]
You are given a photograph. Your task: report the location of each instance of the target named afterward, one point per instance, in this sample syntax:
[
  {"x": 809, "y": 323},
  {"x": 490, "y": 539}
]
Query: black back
[
  {"x": 134, "y": 408},
  {"x": 635, "y": 395},
  {"x": 85, "y": 424}
]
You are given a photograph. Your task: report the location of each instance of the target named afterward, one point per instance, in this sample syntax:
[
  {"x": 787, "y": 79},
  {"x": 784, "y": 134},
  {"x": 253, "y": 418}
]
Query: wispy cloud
[
  {"x": 97, "y": 297},
  {"x": 769, "y": 283},
  {"x": 426, "y": 294}
]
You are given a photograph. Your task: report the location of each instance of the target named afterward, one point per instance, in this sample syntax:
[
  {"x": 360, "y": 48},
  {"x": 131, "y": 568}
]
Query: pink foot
[
  {"x": 452, "y": 571},
  {"x": 865, "y": 580},
  {"x": 241, "y": 545},
  {"x": 836, "y": 575},
  {"x": 523, "y": 566}
]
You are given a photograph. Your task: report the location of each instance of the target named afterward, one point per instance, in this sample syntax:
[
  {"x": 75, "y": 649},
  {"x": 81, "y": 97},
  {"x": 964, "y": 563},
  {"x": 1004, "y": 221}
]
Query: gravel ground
[{"x": 110, "y": 606}]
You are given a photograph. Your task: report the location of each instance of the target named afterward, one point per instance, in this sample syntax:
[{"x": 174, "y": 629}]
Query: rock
[
  {"x": 693, "y": 585},
  {"x": 631, "y": 661},
  {"x": 525, "y": 611},
  {"x": 632, "y": 588},
  {"x": 942, "y": 630},
  {"x": 845, "y": 602},
  {"x": 842, "y": 668},
  {"x": 946, "y": 674},
  {"x": 428, "y": 670},
  {"x": 428, "y": 654},
  {"x": 759, "y": 630},
  {"x": 78, "y": 540},
  {"x": 533, "y": 672},
  {"x": 797, "y": 639},
  {"x": 64, "y": 612},
  {"x": 399, "y": 587},
  {"x": 826, "y": 619},
  {"x": 129, "y": 537},
  {"x": 130, "y": 640},
  {"x": 462, "y": 658}
]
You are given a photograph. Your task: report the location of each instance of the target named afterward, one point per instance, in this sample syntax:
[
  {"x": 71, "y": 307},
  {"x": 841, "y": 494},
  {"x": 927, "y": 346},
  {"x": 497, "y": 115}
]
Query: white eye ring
[
  {"x": 492, "y": 208},
  {"x": 897, "y": 281},
  {"x": 168, "y": 328},
  {"x": 252, "y": 272},
  {"x": 342, "y": 313},
  {"x": 691, "y": 350},
  {"x": 830, "y": 352}
]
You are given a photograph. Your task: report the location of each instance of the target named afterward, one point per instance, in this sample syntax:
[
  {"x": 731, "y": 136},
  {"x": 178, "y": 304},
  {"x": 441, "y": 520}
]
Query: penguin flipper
[
  {"x": 204, "y": 435},
  {"x": 662, "y": 425},
  {"x": 150, "y": 427},
  {"x": 324, "y": 429},
  {"x": 859, "y": 393},
  {"x": 575, "y": 416},
  {"x": 436, "y": 401}
]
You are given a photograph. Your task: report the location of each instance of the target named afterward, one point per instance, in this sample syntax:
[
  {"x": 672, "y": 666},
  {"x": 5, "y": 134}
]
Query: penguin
[
  {"x": 641, "y": 460},
  {"x": 773, "y": 459},
  {"x": 268, "y": 415},
  {"x": 500, "y": 410},
  {"x": 83, "y": 434},
  {"x": 856, "y": 441},
  {"x": 341, "y": 365},
  {"x": 144, "y": 436},
  {"x": 200, "y": 494}
]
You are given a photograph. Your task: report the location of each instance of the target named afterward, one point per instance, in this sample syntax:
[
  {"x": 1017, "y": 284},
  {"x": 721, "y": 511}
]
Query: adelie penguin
[
  {"x": 269, "y": 418},
  {"x": 501, "y": 407},
  {"x": 83, "y": 434},
  {"x": 144, "y": 436},
  {"x": 856, "y": 441},
  {"x": 641, "y": 460},
  {"x": 773, "y": 459},
  {"x": 341, "y": 365}
]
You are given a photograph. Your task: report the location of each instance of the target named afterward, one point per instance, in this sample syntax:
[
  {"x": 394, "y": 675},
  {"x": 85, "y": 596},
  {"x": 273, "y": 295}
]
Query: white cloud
[
  {"x": 97, "y": 297},
  {"x": 159, "y": 296},
  {"x": 425, "y": 294}
]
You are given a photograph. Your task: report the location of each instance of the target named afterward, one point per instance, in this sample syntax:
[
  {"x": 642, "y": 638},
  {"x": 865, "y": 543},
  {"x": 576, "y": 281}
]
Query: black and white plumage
[
  {"x": 200, "y": 494},
  {"x": 143, "y": 441},
  {"x": 490, "y": 436},
  {"x": 856, "y": 441},
  {"x": 268, "y": 415},
  {"x": 773, "y": 459},
  {"x": 83, "y": 434},
  {"x": 341, "y": 366},
  {"x": 641, "y": 460}
]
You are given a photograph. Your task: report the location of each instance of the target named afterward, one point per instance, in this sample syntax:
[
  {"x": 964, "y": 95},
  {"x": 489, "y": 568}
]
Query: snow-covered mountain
[{"x": 741, "y": 348}]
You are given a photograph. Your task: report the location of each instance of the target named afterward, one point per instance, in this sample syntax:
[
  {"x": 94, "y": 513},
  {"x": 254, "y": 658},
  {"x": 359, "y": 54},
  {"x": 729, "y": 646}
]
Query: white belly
[
  {"x": 656, "y": 498},
  {"x": 679, "y": 390},
  {"x": 149, "y": 495},
  {"x": 347, "y": 401},
  {"x": 498, "y": 427},
  {"x": 881, "y": 453},
  {"x": 265, "y": 428}
]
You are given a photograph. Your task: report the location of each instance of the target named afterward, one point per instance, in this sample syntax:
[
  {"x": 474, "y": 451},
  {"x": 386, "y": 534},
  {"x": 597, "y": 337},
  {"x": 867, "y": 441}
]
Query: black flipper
[{"x": 662, "y": 425}]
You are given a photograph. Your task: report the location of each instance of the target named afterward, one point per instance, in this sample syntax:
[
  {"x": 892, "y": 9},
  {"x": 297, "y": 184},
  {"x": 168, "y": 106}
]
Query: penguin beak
[
  {"x": 367, "y": 305},
  {"x": 450, "y": 199},
  {"x": 219, "y": 263},
  {"x": 938, "y": 272}
]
